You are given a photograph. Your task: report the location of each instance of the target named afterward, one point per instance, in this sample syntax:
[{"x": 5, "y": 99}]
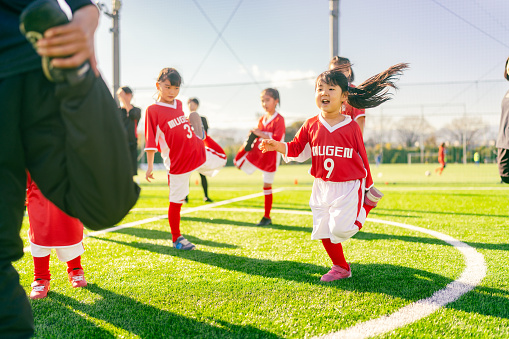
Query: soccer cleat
[
  {"x": 265, "y": 222},
  {"x": 249, "y": 142},
  {"x": 35, "y": 19},
  {"x": 183, "y": 244},
  {"x": 77, "y": 278},
  {"x": 336, "y": 273},
  {"x": 373, "y": 196},
  {"x": 207, "y": 199},
  {"x": 40, "y": 288}
]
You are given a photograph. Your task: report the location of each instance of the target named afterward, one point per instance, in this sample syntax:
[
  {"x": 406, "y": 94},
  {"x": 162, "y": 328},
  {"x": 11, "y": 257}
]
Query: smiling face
[
  {"x": 167, "y": 91},
  {"x": 329, "y": 98}
]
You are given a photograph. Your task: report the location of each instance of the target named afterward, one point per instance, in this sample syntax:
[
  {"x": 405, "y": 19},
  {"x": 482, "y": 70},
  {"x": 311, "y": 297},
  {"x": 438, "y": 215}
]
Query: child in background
[
  {"x": 193, "y": 105},
  {"x": 251, "y": 158},
  {"x": 441, "y": 159},
  {"x": 181, "y": 145},
  {"x": 52, "y": 228},
  {"x": 343, "y": 191},
  {"x": 343, "y": 64}
]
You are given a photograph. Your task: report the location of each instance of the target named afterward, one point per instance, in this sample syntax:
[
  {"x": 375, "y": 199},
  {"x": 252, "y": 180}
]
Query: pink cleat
[
  {"x": 77, "y": 278},
  {"x": 40, "y": 288},
  {"x": 336, "y": 273}
]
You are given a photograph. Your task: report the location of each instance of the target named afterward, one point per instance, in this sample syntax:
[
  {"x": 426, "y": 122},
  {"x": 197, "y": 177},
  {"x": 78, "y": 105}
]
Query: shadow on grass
[
  {"x": 126, "y": 313},
  {"x": 381, "y": 236},
  {"x": 397, "y": 281},
  {"x": 230, "y": 222},
  {"x": 443, "y": 213},
  {"x": 164, "y": 235}
]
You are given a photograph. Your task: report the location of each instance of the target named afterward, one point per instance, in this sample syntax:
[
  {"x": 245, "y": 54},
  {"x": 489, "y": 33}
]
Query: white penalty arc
[{"x": 472, "y": 276}]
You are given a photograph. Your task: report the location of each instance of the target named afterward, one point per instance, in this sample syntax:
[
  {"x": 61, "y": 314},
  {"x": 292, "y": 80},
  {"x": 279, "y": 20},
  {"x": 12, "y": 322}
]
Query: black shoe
[
  {"x": 265, "y": 222},
  {"x": 186, "y": 200},
  {"x": 207, "y": 199},
  {"x": 35, "y": 19},
  {"x": 249, "y": 142}
]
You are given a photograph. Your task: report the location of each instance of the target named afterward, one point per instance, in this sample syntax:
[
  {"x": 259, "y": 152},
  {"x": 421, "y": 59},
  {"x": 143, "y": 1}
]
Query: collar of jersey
[
  {"x": 330, "y": 128},
  {"x": 272, "y": 118},
  {"x": 167, "y": 105}
]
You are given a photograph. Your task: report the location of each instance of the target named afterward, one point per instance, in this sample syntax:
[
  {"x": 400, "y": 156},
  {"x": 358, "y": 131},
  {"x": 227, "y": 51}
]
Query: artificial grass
[{"x": 246, "y": 281}]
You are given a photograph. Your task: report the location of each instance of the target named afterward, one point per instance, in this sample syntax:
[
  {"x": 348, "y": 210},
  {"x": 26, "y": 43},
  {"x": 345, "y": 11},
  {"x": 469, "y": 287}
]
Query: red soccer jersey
[
  {"x": 49, "y": 226},
  {"x": 167, "y": 130},
  {"x": 353, "y": 112},
  {"x": 275, "y": 128},
  {"x": 337, "y": 152}
]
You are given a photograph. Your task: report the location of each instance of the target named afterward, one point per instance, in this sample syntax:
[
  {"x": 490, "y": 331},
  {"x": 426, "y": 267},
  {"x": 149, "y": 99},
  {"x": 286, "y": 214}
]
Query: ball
[
  {"x": 380, "y": 174},
  {"x": 427, "y": 173}
]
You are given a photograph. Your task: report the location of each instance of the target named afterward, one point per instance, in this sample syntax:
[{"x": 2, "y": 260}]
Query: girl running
[
  {"x": 182, "y": 148},
  {"x": 250, "y": 157},
  {"x": 343, "y": 191}
]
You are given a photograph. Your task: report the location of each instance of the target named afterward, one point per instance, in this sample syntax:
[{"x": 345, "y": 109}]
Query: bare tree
[
  {"x": 469, "y": 127},
  {"x": 409, "y": 130}
]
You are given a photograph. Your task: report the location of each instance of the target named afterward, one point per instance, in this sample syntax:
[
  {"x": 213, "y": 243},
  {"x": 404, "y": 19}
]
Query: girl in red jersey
[
  {"x": 182, "y": 147},
  {"x": 441, "y": 159},
  {"x": 357, "y": 114},
  {"x": 343, "y": 191},
  {"x": 250, "y": 158},
  {"x": 52, "y": 228}
]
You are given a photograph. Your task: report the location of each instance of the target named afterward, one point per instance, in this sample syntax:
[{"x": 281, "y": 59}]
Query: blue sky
[{"x": 457, "y": 51}]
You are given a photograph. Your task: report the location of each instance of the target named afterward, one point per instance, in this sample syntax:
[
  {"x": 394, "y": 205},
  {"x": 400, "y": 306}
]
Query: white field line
[{"x": 472, "y": 276}]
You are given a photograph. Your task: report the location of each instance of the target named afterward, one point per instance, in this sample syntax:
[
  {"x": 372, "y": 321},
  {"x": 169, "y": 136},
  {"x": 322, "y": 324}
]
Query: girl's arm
[
  {"x": 268, "y": 145},
  {"x": 260, "y": 134},
  {"x": 195, "y": 121},
  {"x": 150, "y": 162}
]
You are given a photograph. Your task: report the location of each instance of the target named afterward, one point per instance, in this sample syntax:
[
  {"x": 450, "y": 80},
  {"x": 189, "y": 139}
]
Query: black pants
[
  {"x": 503, "y": 164},
  {"x": 72, "y": 142}
]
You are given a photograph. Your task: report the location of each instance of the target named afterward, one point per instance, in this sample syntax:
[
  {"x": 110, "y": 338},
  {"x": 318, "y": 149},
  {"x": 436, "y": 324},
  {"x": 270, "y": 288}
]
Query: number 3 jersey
[
  {"x": 168, "y": 131},
  {"x": 337, "y": 152}
]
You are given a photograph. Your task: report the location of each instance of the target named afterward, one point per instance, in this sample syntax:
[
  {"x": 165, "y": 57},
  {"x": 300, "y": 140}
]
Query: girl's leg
[
  {"x": 335, "y": 252},
  {"x": 205, "y": 186},
  {"x": 42, "y": 276},
  {"x": 41, "y": 268},
  {"x": 174, "y": 220},
  {"x": 74, "y": 264},
  {"x": 267, "y": 191},
  {"x": 75, "y": 272},
  {"x": 340, "y": 268}
]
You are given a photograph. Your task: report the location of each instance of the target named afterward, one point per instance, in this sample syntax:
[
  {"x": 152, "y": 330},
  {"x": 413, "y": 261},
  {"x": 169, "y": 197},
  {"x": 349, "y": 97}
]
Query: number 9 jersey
[
  {"x": 337, "y": 152},
  {"x": 168, "y": 131}
]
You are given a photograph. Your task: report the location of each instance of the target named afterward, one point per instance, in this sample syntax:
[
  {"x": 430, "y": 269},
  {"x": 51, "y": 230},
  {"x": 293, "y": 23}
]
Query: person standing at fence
[
  {"x": 193, "y": 105},
  {"x": 343, "y": 64},
  {"x": 130, "y": 116},
  {"x": 441, "y": 158},
  {"x": 503, "y": 134}
]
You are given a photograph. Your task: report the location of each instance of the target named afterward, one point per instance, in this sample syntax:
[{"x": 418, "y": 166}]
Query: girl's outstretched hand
[
  {"x": 268, "y": 145},
  {"x": 149, "y": 174}
]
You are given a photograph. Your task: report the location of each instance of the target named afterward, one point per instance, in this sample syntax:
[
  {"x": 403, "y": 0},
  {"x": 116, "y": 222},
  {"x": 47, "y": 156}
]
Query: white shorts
[
  {"x": 64, "y": 253},
  {"x": 337, "y": 209},
  {"x": 179, "y": 183},
  {"x": 249, "y": 168}
]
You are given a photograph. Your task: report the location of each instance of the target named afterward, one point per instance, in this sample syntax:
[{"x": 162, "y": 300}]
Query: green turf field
[{"x": 246, "y": 281}]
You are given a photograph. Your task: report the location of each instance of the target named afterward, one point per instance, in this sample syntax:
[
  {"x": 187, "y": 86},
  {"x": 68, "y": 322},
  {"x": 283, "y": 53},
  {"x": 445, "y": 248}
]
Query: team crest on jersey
[
  {"x": 332, "y": 151},
  {"x": 177, "y": 121}
]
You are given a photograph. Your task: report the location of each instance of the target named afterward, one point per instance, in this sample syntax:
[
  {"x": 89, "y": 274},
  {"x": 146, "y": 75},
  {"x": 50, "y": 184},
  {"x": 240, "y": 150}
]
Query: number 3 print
[{"x": 189, "y": 132}]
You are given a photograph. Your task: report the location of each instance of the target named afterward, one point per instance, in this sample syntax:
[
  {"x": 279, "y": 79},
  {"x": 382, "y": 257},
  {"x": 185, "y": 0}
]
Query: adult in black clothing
[
  {"x": 503, "y": 134},
  {"x": 130, "y": 116},
  {"x": 67, "y": 134},
  {"x": 193, "y": 104}
]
